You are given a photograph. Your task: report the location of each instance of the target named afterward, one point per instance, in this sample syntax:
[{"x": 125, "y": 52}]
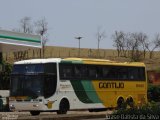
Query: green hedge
[
  {"x": 5, "y": 76},
  {"x": 149, "y": 111},
  {"x": 154, "y": 93}
]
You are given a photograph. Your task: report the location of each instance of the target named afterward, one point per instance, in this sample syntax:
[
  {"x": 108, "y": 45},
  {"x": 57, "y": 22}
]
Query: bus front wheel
[
  {"x": 33, "y": 113},
  {"x": 63, "y": 107}
]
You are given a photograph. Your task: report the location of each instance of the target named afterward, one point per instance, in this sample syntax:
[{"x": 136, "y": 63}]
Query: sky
[{"x": 68, "y": 19}]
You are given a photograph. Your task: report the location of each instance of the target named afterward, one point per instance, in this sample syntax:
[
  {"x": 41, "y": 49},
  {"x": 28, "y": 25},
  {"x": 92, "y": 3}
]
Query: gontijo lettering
[{"x": 111, "y": 85}]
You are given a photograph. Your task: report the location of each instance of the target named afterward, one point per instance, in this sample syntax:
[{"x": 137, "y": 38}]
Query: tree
[
  {"x": 100, "y": 36},
  {"x": 5, "y": 76},
  {"x": 135, "y": 46},
  {"x": 143, "y": 38},
  {"x": 132, "y": 43},
  {"x": 119, "y": 42},
  {"x": 154, "y": 44},
  {"x": 26, "y": 26},
  {"x": 41, "y": 29}
]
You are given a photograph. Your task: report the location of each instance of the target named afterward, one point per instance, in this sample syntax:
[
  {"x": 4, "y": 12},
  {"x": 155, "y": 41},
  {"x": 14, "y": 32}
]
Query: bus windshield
[
  {"x": 28, "y": 85},
  {"x": 33, "y": 80},
  {"x": 28, "y": 68}
]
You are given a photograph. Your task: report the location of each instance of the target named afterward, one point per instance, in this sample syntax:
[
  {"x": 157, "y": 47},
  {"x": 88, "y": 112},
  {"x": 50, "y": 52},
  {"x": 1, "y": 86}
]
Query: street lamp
[{"x": 79, "y": 38}]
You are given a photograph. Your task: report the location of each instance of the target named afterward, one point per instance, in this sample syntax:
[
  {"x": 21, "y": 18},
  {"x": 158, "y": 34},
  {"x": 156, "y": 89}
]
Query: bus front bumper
[{"x": 23, "y": 106}]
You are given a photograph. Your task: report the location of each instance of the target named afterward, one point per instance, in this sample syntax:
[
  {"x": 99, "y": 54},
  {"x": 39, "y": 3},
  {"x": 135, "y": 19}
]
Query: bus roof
[
  {"x": 80, "y": 61},
  {"x": 36, "y": 61},
  {"x": 102, "y": 61}
]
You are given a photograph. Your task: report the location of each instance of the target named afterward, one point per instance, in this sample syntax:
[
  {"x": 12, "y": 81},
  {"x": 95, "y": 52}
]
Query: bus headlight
[
  {"x": 35, "y": 105},
  {"x": 12, "y": 107}
]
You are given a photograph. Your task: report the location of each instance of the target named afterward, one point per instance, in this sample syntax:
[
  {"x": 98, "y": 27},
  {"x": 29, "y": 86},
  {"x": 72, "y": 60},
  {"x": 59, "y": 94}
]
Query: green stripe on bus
[
  {"x": 77, "y": 62},
  {"x": 80, "y": 92},
  {"x": 90, "y": 91},
  {"x": 20, "y": 39}
]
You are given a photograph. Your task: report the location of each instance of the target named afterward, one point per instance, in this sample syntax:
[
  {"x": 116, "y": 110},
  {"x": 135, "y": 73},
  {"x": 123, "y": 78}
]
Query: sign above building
[{"x": 15, "y": 41}]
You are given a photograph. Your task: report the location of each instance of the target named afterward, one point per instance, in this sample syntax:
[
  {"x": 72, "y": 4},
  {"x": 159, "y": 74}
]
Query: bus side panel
[
  {"x": 110, "y": 91},
  {"x": 78, "y": 95}
]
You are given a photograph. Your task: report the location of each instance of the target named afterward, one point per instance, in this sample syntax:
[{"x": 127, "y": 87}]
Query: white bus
[{"x": 60, "y": 85}]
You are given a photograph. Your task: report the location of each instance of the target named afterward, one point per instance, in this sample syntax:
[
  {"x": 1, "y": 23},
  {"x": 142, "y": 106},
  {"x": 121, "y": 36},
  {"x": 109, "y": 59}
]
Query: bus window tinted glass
[
  {"x": 77, "y": 71},
  {"x": 101, "y": 72},
  {"x": 28, "y": 68},
  {"x": 66, "y": 71},
  {"x": 136, "y": 73},
  {"x": 123, "y": 73},
  {"x": 92, "y": 72},
  {"x": 50, "y": 68}
]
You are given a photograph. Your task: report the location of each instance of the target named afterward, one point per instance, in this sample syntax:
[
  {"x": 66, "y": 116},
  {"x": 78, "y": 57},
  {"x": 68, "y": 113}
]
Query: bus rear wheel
[
  {"x": 63, "y": 107},
  {"x": 34, "y": 113},
  {"x": 121, "y": 104},
  {"x": 130, "y": 102}
]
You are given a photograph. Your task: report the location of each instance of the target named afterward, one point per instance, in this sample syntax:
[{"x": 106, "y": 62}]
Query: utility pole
[
  {"x": 79, "y": 40},
  {"x": 1, "y": 59}
]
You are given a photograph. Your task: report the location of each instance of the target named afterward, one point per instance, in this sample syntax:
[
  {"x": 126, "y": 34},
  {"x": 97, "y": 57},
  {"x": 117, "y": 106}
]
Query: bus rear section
[{"x": 102, "y": 84}]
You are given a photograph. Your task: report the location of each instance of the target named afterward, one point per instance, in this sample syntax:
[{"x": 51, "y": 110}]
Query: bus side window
[
  {"x": 77, "y": 71},
  {"x": 133, "y": 73},
  {"x": 84, "y": 72},
  {"x": 113, "y": 73},
  {"x": 137, "y": 73},
  {"x": 99, "y": 72},
  {"x": 110, "y": 72},
  {"x": 92, "y": 72},
  {"x": 105, "y": 72},
  {"x": 66, "y": 71},
  {"x": 123, "y": 73},
  {"x": 142, "y": 73}
]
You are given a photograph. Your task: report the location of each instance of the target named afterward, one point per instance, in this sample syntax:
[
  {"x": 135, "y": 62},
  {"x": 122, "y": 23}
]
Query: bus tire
[
  {"x": 1, "y": 104},
  {"x": 63, "y": 107},
  {"x": 121, "y": 104},
  {"x": 34, "y": 113},
  {"x": 130, "y": 102},
  {"x": 91, "y": 110}
]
